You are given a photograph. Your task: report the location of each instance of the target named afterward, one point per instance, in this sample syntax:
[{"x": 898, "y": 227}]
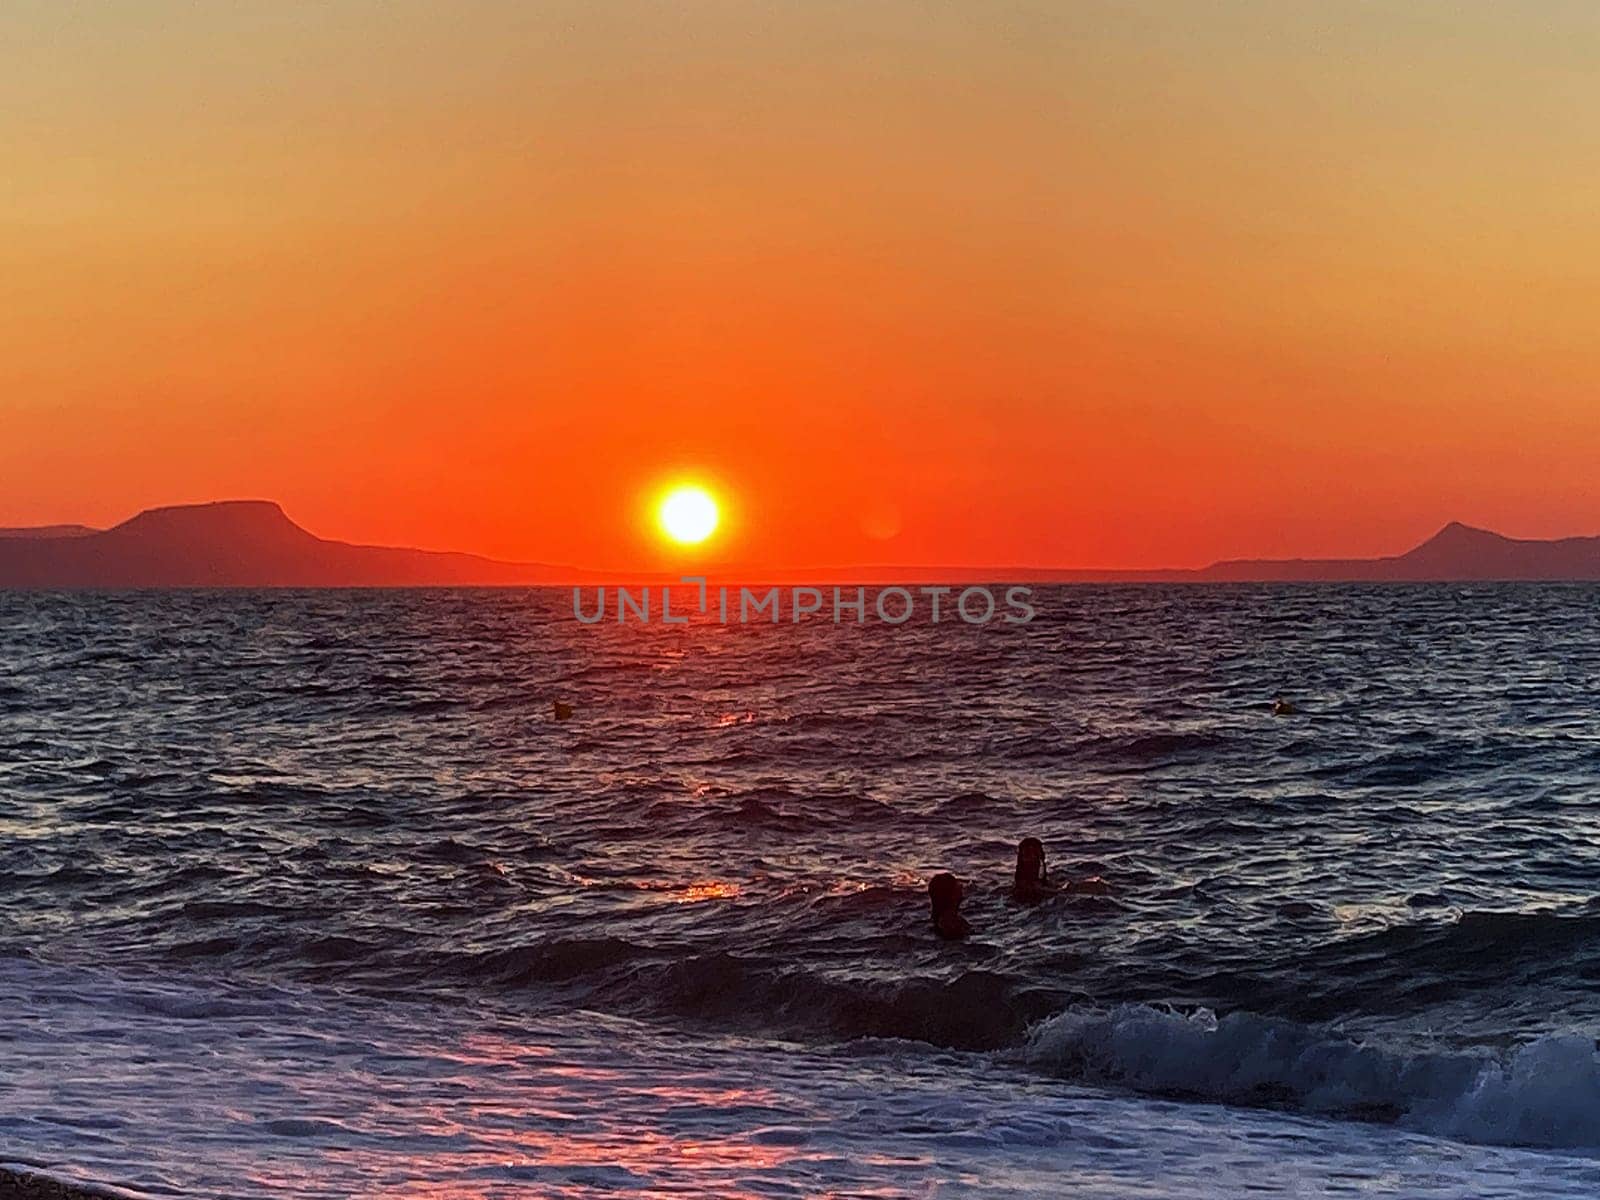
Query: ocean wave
[
  {"x": 193, "y": 1005},
  {"x": 1154, "y": 748},
  {"x": 1545, "y": 1093},
  {"x": 1476, "y": 949},
  {"x": 548, "y": 962},
  {"x": 975, "y": 1009}
]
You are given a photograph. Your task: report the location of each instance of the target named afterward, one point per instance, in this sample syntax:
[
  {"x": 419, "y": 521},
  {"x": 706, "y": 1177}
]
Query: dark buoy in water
[
  {"x": 563, "y": 710},
  {"x": 1282, "y": 707}
]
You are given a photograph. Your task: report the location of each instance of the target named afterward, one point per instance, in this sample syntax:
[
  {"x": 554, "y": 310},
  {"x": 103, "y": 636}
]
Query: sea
[{"x": 310, "y": 894}]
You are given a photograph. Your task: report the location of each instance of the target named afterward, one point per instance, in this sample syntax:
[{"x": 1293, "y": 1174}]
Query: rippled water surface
[{"x": 356, "y": 812}]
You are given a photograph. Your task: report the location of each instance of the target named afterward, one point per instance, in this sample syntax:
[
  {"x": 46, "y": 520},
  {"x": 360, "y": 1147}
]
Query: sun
[{"x": 688, "y": 514}]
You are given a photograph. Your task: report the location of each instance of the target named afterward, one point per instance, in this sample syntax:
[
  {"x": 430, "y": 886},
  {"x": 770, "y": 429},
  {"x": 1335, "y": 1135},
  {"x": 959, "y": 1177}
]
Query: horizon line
[{"x": 769, "y": 572}]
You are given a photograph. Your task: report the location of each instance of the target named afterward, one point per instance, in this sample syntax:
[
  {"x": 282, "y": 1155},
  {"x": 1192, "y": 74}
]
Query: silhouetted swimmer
[
  {"x": 944, "y": 893},
  {"x": 1282, "y": 707},
  {"x": 562, "y": 710},
  {"x": 1030, "y": 884}
]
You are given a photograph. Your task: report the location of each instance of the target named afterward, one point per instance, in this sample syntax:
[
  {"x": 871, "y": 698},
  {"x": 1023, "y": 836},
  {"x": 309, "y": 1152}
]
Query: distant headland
[
  {"x": 235, "y": 543},
  {"x": 253, "y": 543}
]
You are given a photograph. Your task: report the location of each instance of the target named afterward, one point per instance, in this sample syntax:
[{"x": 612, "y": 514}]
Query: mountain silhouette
[
  {"x": 236, "y": 543},
  {"x": 253, "y": 543},
  {"x": 1456, "y": 553}
]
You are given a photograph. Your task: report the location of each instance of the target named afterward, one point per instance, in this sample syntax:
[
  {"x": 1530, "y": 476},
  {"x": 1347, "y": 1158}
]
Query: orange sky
[{"x": 1087, "y": 284}]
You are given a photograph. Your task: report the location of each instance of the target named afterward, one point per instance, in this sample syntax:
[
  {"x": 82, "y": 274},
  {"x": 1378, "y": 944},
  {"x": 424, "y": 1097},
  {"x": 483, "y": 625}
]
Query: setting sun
[{"x": 688, "y": 514}]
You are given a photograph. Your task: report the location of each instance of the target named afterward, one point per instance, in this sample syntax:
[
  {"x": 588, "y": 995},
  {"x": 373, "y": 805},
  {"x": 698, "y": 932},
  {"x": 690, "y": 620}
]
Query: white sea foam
[{"x": 1545, "y": 1093}]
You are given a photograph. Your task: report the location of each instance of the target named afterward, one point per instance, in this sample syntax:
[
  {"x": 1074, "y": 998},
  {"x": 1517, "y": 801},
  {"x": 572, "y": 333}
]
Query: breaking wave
[{"x": 1545, "y": 1093}]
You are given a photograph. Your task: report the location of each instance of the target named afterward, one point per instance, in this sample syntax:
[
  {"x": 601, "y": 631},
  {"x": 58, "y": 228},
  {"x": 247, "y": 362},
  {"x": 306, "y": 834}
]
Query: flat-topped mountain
[{"x": 235, "y": 543}]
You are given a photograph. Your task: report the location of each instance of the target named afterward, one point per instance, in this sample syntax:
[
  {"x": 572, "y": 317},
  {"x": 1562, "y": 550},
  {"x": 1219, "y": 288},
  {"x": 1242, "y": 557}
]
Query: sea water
[{"x": 308, "y": 894}]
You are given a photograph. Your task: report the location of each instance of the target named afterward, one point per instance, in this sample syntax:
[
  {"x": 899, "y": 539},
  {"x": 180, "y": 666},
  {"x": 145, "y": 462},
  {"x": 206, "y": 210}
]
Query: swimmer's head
[
  {"x": 1030, "y": 859},
  {"x": 944, "y": 893}
]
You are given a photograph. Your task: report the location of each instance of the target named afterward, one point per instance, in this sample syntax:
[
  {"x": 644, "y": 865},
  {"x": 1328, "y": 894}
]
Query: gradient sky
[{"x": 1079, "y": 284}]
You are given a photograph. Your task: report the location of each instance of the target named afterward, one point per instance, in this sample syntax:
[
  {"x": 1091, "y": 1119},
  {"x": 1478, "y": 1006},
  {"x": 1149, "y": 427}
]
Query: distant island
[
  {"x": 235, "y": 543},
  {"x": 253, "y": 543},
  {"x": 1456, "y": 554}
]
